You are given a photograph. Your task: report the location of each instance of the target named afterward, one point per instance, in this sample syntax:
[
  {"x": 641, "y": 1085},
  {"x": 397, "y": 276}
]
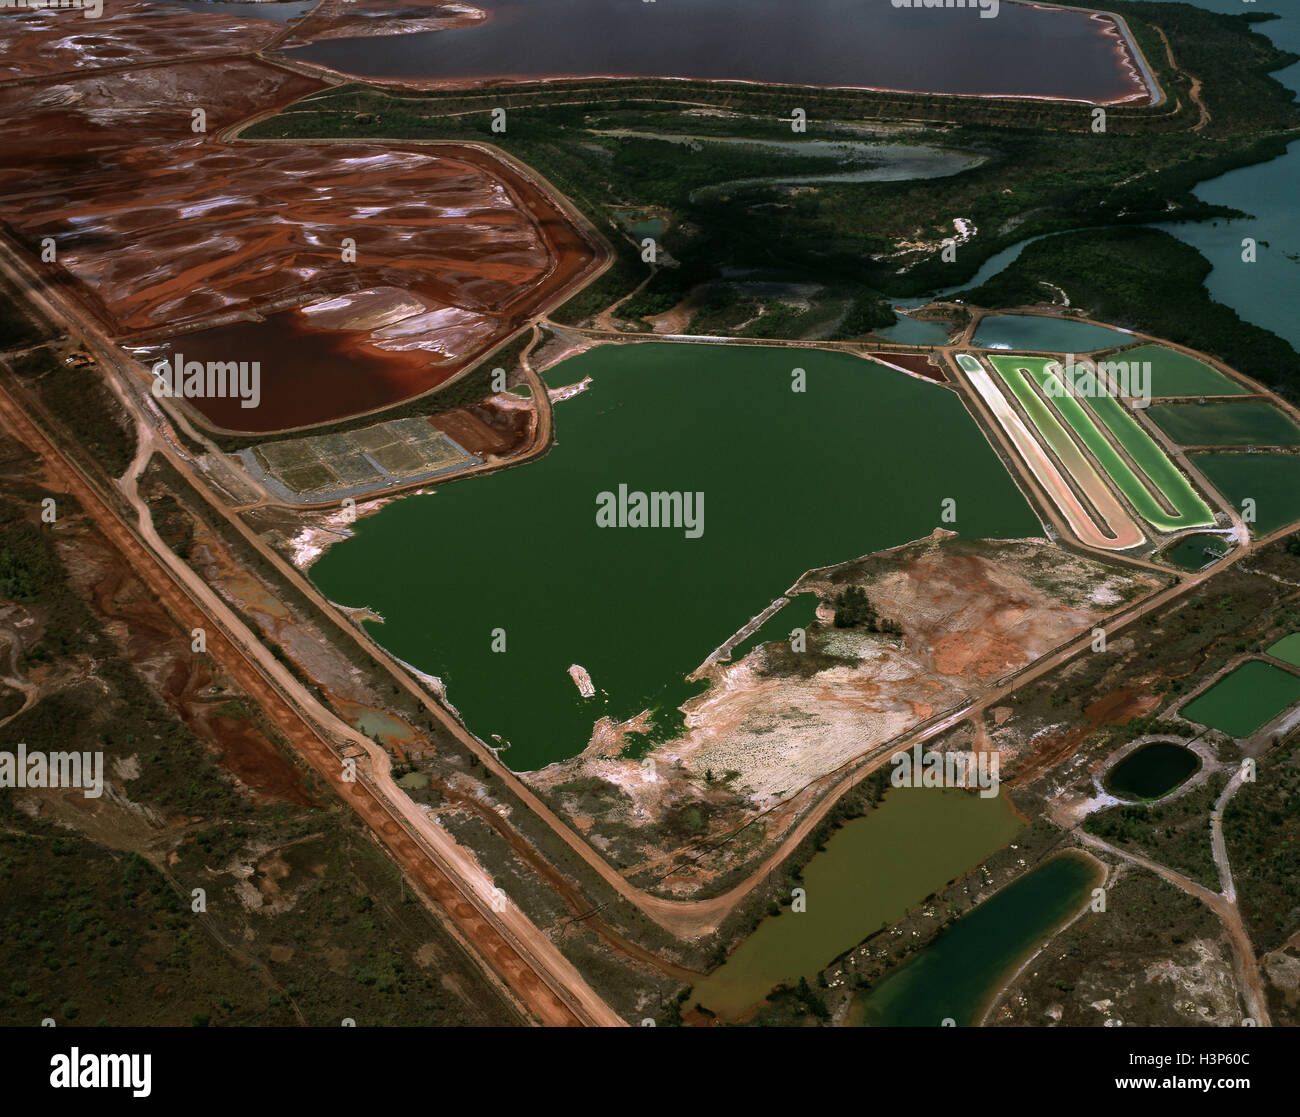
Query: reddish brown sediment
[
  {"x": 1114, "y": 708},
  {"x": 171, "y": 233},
  {"x": 308, "y": 376},
  {"x": 40, "y": 43},
  {"x": 917, "y": 363},
  {"x": 485, "y": 429},
  {"x": 1142, "y": 95}
]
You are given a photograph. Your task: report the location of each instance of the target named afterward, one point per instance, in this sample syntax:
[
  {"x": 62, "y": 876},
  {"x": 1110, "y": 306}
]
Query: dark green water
[
  {"x": 1287, "y": 649},
  {"x": 1248, "y": 423},
  {"x": 1177, "y": 374},
  {"x": 1152, "y": 771},
  {"x": 954, "y": 977},
  {"x": 1193, "y": 552},
  {"x": 1246, "y": 699},
  {"x": 800, "y": 612},
  {"x": 860, "y": 461},
  {"x": 1272, "y": 481}
]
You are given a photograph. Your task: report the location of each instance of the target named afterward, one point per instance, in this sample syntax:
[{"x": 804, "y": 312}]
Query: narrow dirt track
[{"x": 1243, "y": 952}]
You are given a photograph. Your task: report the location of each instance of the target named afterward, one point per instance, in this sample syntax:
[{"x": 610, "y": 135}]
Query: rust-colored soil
[
  {"x": 484, "y": 429},
  {"x": 127, "y": 33},
  {"x": 191, "y": 685},
  {"x": 1115, "y": 708}
]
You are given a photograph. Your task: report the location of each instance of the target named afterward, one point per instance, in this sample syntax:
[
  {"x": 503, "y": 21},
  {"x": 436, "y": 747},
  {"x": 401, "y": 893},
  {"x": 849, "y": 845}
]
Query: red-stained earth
[{"x": 918, "y": 363}]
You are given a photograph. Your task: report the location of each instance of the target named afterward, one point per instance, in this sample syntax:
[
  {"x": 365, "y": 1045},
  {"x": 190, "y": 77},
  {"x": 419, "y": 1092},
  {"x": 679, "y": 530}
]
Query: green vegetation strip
[
  {"x": 1042, "y": 416},
  {"x": 1191, "y": 510}
]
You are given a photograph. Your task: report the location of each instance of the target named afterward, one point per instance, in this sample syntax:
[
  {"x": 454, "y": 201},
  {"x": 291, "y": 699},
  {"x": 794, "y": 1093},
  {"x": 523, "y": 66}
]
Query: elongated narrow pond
[
  {"x": 861, "y": 460},
  {"x": 956, "y": 975}
]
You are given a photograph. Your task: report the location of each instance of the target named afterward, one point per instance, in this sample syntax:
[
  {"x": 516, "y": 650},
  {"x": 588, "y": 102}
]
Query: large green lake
[
  {"x": 871, "y": 873},
  {"x": 859, "y": 461},
  {"x": 954, "y": 977}
]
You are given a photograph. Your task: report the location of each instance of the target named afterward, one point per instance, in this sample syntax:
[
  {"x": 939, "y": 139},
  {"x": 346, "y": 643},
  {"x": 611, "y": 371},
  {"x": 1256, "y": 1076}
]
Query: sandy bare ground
[{"x": 971, "y": 613}]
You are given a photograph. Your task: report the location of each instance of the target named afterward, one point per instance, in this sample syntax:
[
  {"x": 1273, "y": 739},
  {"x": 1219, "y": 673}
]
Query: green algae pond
[
  {"x": 1287, "y": 649},
  {"x": 1272, "y": 481},
  {"x": 1248, "y": 423},
  {"x": 1154, "y": 463},
  {"x": 955, "y": 976},
  {"x": 1152, "y": 771},
  {"x": 498, "y": 584},
  {"x": 1246, "y": 699},
  {"x": 873, "y": 870},
  {"x": 1179, "y": 374}
]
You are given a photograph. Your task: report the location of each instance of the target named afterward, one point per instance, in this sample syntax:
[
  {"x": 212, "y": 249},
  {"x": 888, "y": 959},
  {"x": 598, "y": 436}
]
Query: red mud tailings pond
[
  {"x": 39, "y": 43},
  {"x": 195, "y": 235}
]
